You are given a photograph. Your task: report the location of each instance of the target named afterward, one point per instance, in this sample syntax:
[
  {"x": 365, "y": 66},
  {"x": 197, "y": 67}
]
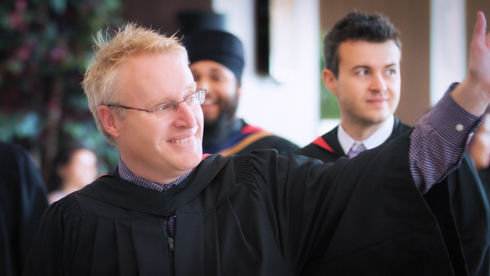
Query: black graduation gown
[
  {"x": 252, "y": 214},
  {"x": 484, "y": 175},
  {"x": 23, "y": 200},
  {"x": 468, "y": 202},
  {"x": 327, "y": 147}
]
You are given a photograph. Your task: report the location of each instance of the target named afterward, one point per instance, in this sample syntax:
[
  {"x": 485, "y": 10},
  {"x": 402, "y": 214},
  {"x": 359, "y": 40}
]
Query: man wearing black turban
[{"x": 217, "y": 62}]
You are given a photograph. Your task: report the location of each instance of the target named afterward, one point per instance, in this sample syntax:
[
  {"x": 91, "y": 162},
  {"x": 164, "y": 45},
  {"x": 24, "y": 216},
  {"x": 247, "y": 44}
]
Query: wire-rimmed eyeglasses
[{"x": 168, "y": 109}]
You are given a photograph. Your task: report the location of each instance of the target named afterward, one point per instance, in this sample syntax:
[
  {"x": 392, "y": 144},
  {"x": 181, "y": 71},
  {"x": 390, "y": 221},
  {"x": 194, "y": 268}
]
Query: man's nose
[
  {"x": 184, "y": 115},
  {"x": 378, "y": 83}
]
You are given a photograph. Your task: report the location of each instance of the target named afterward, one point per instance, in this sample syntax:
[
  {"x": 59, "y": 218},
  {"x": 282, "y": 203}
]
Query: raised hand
[
  {"x": 479, "y": 61},
  {"x": 473, "y": 94}
]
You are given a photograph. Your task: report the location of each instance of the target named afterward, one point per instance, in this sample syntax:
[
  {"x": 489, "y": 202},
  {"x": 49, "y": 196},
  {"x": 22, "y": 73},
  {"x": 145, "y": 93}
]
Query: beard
[{"x": 217, "y": 131}]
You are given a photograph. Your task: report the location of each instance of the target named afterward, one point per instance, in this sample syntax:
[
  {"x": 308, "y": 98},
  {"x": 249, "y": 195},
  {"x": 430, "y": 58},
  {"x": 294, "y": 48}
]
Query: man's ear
[
  {"x": 239, "y": 91},
  {"x": 61, "y": 170},
  {"x": 330, "y": 81},
  {"x": 108, "y": 119}
]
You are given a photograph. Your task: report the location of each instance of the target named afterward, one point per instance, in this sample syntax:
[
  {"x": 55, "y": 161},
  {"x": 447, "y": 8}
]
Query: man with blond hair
[{"x": 166, "y": 210}]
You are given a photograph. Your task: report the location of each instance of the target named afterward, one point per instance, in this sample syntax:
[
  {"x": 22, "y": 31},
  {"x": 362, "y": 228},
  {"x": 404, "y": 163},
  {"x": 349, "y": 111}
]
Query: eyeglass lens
[{"x": 169, "y": 109}]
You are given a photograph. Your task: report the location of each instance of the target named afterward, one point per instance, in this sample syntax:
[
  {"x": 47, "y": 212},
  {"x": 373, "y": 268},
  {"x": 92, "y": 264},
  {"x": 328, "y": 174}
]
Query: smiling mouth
[
  {"x": 377, "y": 100},
  {"x": 185, "y": 140}
]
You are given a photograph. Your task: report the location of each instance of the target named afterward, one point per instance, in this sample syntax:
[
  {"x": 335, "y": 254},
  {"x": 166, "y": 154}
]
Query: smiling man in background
[{"x": 217, "y": 62}]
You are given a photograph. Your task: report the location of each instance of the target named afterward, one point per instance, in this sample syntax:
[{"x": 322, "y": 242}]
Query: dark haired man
[
  {"x": 217, "y": 62},
  {"x": 362, "y": 60}
]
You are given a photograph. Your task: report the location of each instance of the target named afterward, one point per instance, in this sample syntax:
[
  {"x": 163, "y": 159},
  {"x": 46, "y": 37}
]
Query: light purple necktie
[{"x": 355, "y": 150}]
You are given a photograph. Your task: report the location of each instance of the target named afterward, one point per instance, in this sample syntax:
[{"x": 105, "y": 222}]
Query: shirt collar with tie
[{"x": 376, "y": 139}]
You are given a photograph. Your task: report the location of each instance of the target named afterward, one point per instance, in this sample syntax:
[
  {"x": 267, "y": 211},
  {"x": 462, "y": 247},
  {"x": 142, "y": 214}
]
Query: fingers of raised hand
[{"x": 479, "y": 62}]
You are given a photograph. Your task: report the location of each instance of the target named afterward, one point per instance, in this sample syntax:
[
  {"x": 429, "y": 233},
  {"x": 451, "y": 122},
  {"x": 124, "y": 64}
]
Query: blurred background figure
[
  {"x": 479, "y": 147},
  {"x": 479, "y": 150},
  {"x": 75, "y": 166},
  {"x": 22, "y": 203},
  {"x": 217, "y": 61}
]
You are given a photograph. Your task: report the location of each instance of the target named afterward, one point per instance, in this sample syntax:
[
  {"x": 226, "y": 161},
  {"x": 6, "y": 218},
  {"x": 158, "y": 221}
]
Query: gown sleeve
[
  {"x": 56, "y": 239},
  {"x": 365, "y": 211}
]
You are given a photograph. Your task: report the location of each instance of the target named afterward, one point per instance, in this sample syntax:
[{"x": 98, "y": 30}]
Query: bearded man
[{"x": 217, "y": 61}]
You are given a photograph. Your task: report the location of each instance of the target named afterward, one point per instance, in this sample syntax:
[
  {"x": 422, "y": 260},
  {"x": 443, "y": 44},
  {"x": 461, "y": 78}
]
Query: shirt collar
[
  {"x": 376, "y": 139},
  {"x": 128, "y": 175}
]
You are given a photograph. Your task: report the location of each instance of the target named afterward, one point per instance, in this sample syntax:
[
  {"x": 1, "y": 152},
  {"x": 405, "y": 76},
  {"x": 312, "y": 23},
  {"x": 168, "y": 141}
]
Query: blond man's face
[{"x": 150, "y": 145}]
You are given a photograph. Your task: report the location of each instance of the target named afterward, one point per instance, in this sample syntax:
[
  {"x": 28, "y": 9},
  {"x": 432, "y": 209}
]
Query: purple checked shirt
[
  {"x": 439, "y": 140},
  {"x": 127, "y": 175}
]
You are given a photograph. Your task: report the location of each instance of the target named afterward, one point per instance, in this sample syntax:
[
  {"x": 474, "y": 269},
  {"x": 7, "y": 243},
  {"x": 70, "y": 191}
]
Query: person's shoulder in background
[{"x": 23, "y": 200}]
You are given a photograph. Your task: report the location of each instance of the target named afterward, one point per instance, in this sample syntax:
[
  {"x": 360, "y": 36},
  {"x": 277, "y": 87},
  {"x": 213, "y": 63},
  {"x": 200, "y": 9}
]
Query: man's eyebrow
[
  {"x": 360, "y": 67},
  {"x": 391, "y": 65},
  {"x": 190, "y": 88},
  {"x": 369, "y": 67},
  {"x": 214, "y": 69}
]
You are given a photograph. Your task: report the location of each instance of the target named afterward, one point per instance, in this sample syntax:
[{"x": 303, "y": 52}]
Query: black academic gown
[
  {"x": 23, "y": 200},
  {"x": 328, "y": 149},
  {"x": 468, "y": 202},
  {"x": 484, "y": 175},
  {"x": 252, "y": 214}
]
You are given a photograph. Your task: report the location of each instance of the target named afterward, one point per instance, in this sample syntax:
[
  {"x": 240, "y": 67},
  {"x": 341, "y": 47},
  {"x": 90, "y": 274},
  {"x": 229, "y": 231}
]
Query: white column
[
  {"x": 288, "y": 108},
  {"x": 448, "y": 46}
]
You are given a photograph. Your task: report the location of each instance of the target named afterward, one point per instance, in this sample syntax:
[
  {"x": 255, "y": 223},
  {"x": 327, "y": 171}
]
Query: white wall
[
  {"x": 289, "y": 109},
  {"x": 447, "y": 46}
]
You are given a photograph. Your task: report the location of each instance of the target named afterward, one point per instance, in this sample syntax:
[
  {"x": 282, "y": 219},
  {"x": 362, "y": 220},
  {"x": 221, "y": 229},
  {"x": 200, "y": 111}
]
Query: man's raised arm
[
  {"x": 440, "y": 138},
  {"x": 473, "y": 94}
]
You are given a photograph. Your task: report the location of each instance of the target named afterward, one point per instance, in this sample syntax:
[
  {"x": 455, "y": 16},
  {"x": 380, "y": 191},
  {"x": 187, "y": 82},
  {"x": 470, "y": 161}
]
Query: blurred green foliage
[
  {"x": 329, "y": 106},
  {"x": 45, "y": 48}
]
